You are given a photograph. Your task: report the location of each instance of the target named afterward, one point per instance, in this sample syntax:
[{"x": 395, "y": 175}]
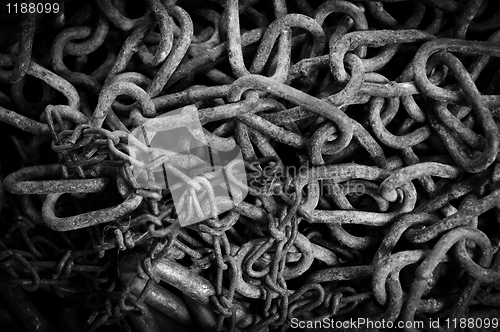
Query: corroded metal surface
[{"x": 369, "y": 184}]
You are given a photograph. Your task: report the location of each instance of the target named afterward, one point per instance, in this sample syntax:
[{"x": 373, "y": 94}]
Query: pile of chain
[{"x": 369, "y": 132}]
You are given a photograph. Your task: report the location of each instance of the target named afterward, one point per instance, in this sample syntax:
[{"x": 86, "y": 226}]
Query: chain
[{"x": 246, "y": 165}]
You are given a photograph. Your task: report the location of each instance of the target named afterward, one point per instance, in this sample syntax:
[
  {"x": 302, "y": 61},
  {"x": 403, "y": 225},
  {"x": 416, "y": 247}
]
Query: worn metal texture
[{"x": 368, "y": 185}]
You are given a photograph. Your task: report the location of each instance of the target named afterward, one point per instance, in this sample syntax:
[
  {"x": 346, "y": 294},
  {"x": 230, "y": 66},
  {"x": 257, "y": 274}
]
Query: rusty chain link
[{"x": 368, "y": 185}]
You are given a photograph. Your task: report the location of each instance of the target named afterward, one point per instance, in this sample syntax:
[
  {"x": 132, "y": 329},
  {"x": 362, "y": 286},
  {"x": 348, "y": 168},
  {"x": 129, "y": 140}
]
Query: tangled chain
[{"x": 397, "y": 98}]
